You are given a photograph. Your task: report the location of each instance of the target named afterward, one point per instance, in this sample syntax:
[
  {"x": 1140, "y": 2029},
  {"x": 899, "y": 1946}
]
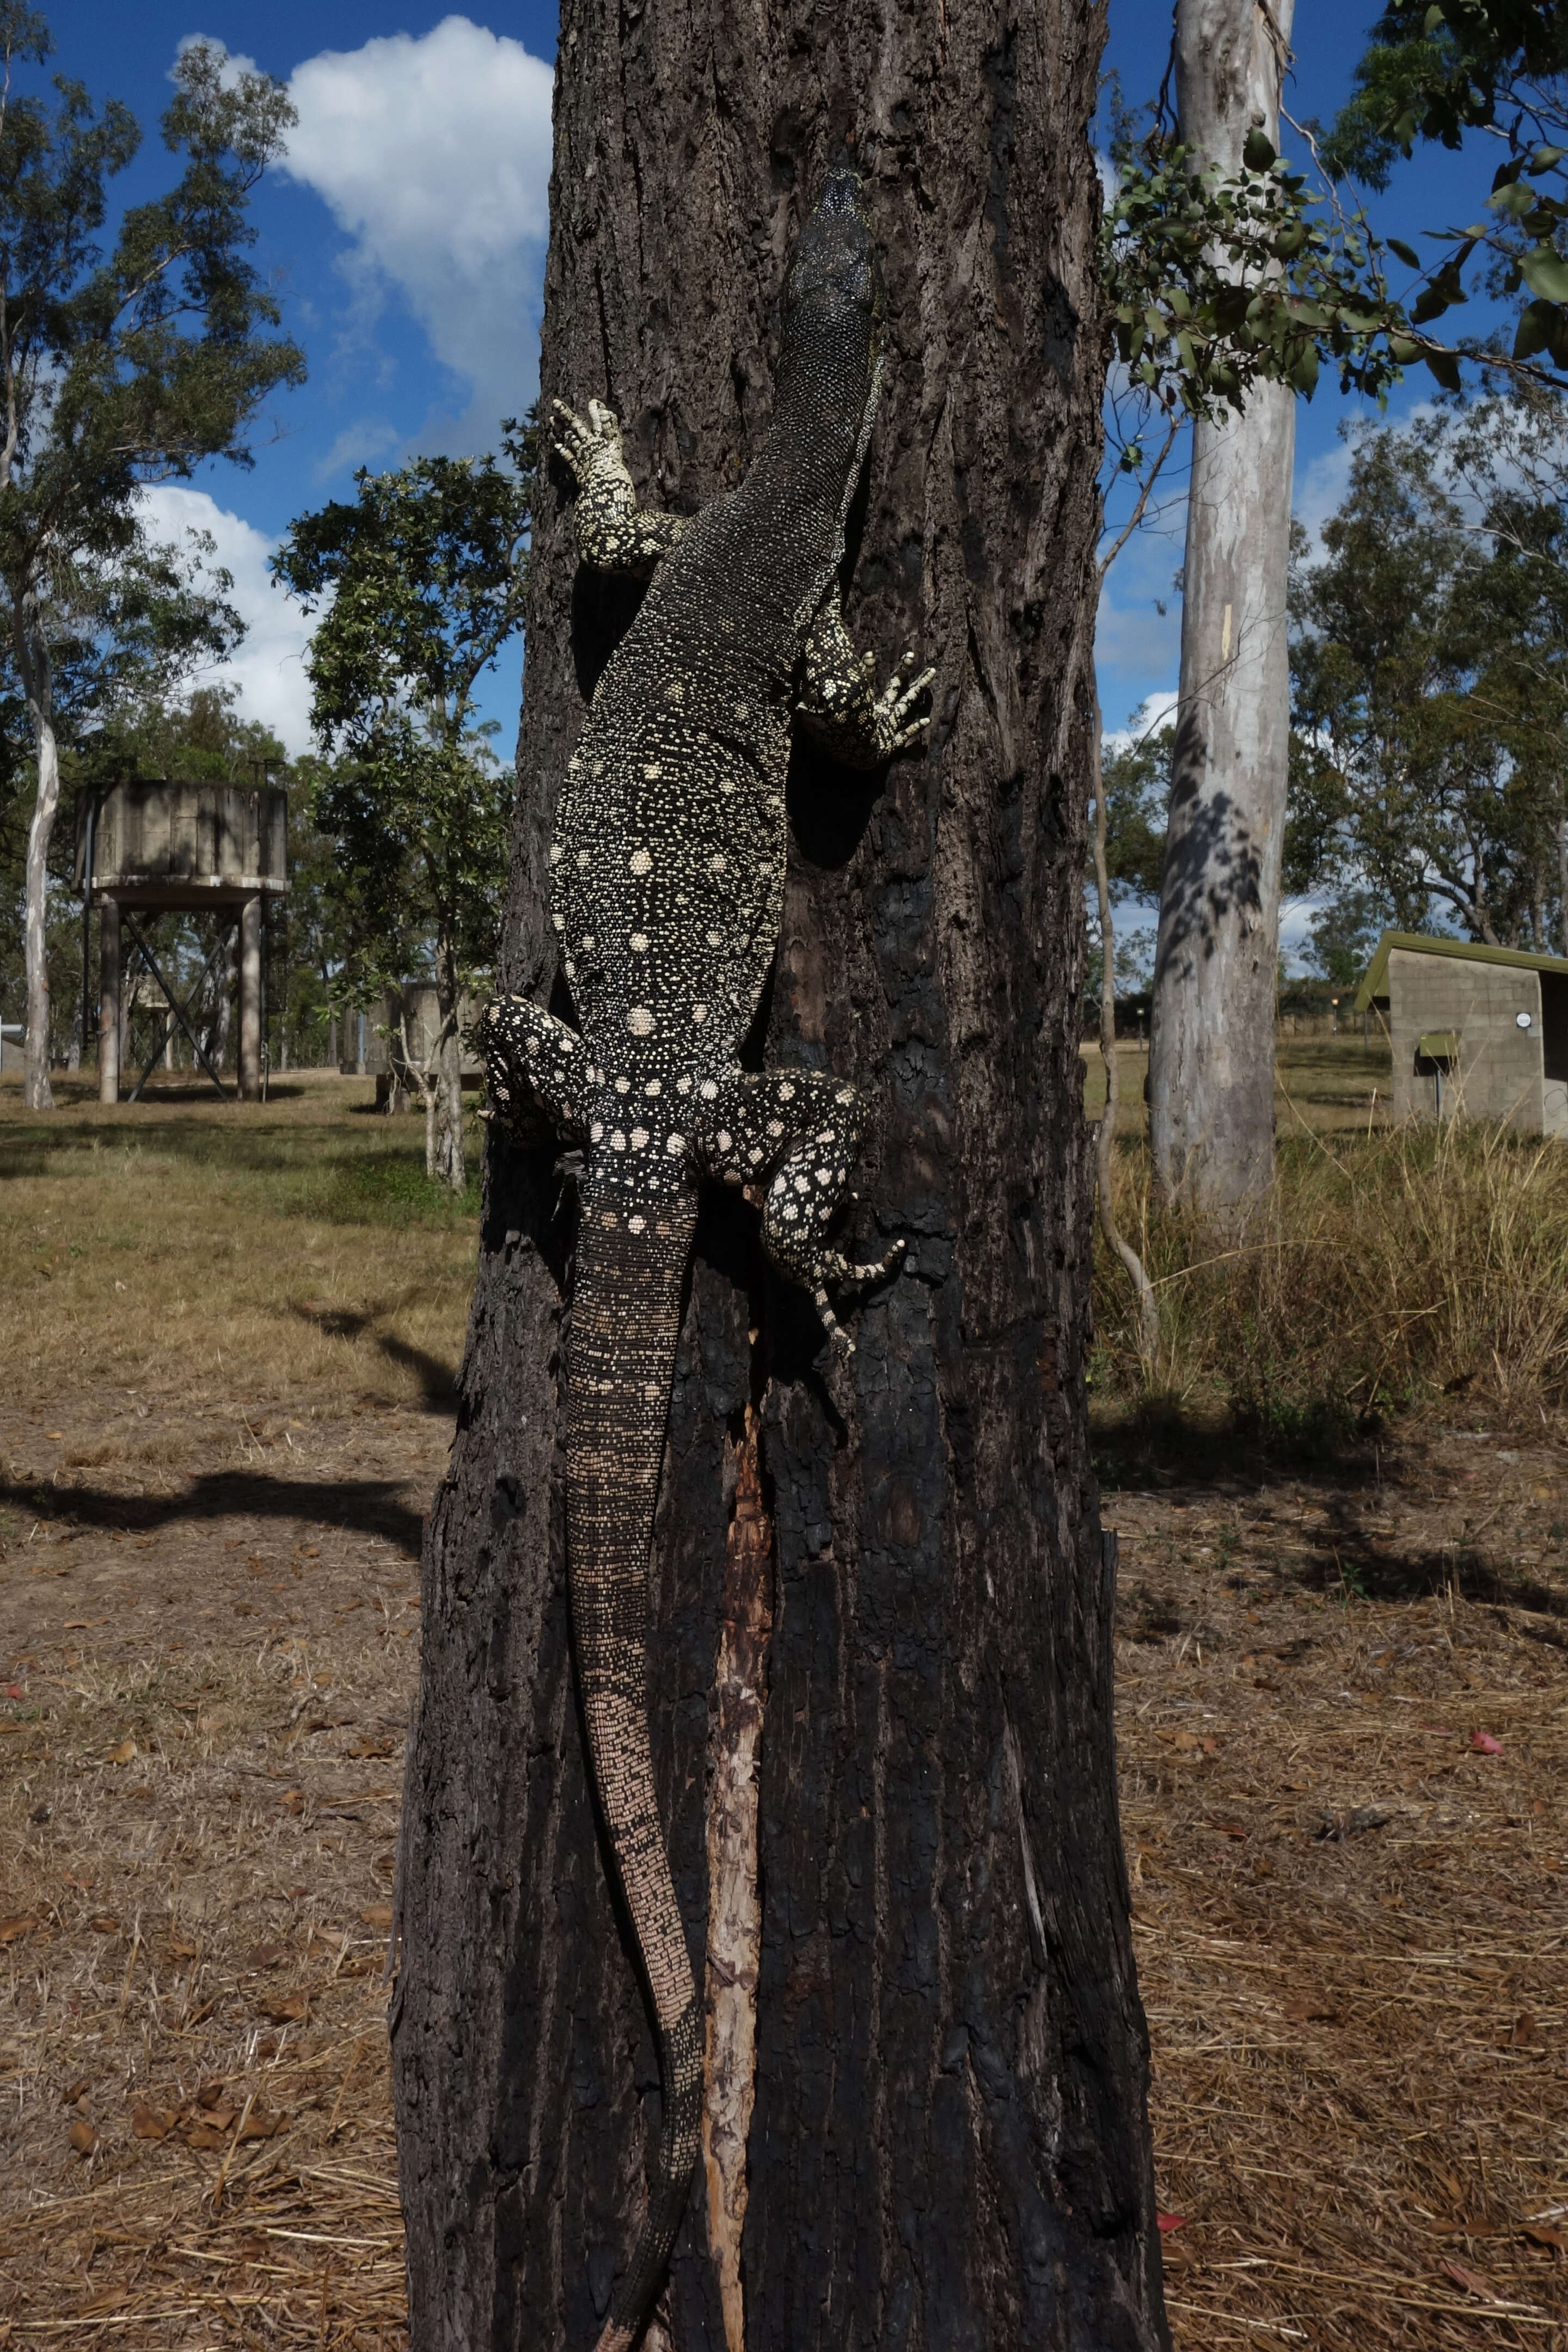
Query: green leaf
[
  {"x": 1444, "y": 366},
  {"x": 1545, "y": 273},
  {"x": 1544, "y": 158},
  {"x": 1405, "y": 253},
  {"x": 1534, "y": 332},
  {"x": 1434, "y": 17},
  {"x": 1304, "y": 370},
  {"x": 1257, "y": 152}
]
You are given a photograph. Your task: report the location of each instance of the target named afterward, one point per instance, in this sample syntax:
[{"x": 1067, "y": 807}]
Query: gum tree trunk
[
  {"x": 947, "y": 2144},
  {"x": 1211, "y": 1049}
]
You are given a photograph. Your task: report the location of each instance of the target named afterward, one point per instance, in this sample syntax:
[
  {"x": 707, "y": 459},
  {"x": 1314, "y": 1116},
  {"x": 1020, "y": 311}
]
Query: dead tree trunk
[
  {"x": 1211, "y": 1049},
  {"x": 947, "y": 2143}
]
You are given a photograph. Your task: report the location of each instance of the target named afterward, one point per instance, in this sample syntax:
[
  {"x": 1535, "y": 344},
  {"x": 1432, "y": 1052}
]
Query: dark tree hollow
[{"x": 949, "y": 2148}]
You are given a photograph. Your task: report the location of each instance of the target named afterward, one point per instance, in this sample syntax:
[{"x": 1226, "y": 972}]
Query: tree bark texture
[
  {"x": 1211, "y": 1054},
  {"x": 948, "y": 2145},
  {"x": 38, "y": 684}
]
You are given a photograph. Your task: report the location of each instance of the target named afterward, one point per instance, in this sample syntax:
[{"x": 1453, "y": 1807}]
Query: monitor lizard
[{"x": 668, "y": 875}]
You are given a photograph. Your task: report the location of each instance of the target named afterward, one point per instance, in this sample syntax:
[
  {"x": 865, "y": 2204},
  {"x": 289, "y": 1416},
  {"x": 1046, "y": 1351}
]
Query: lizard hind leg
[
  {"x": 796, "y": 1133},
  {"x": 536, "y": 1070}
]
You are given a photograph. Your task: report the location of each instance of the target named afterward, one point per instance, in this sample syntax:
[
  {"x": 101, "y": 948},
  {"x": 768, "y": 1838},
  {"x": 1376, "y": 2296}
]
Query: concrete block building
[{"x": 1476, "y": 1032}]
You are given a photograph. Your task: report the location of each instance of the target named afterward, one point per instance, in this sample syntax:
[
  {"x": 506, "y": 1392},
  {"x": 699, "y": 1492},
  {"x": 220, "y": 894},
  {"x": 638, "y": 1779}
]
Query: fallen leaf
[
  {"x": 73, "y": 2092},
  {"x": 360, "y": 1967},
  {"x": 104, "y": 1923},
  {"x": 1538, "y": 2233},
  {"x": 265, "y": 1956},
  {"x": 149, "y": 2123},
  {"x": 180, "y": 1947},
  {"x": 293, "y": 1801},
  {"x": 1310, "y": 2009},
  {"x": 260, "y": 2125},
  {"x": 377, "y": 1914},
  {"x": 202, "y": 2135},
  {"x": 82, "y": 1886},
  {"x": 124, "y": 1754},
  {"x": 1167, "y": 2222},
  {"x": 1523, "y": 2032},
  {"x": 54, "y": 1435},
  {"x": 83, "y": 2138},
  {"x": 211, "y": 2095},
  {"x": 1471, "y": 2280},
  {"x": 1485, "y": 1744},
  {"x": 11, "y": 1929},
  {"x": 291, "y": 2009},
  {"x": 368, "y": 1745},
  {"x": 1227, "y": 1829}
]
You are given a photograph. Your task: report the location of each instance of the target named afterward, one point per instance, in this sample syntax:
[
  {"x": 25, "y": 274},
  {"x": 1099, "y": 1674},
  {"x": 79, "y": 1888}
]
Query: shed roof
[{"x": 1424, "y": 943}]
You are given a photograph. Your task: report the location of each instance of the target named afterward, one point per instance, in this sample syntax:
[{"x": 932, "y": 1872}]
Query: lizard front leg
[
  {"x": 839, "y": 702},
  {"x": 535, "y": 1070},
  {"x": 614, "y": 533},
  {"x": 795, "y": 1134}
]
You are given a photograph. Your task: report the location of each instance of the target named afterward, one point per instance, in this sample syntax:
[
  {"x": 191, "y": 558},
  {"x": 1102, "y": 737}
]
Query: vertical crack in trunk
[{"x": 734, "y": 1907}]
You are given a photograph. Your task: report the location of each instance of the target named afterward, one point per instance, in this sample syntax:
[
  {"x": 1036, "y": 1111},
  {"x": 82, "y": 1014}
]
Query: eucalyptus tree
[
  {"x": 117, "y": 368},
  {"x": 1430, "y": 676},
  {"x": 420, "y": 581}
]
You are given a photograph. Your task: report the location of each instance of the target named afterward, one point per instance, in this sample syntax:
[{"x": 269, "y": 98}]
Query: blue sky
[{"x": 406, "y": 237}]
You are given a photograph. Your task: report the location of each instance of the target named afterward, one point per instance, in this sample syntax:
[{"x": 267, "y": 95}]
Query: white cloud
[
  {"x": 269, "y": 667},
  {"x": 434, "y": 155}
]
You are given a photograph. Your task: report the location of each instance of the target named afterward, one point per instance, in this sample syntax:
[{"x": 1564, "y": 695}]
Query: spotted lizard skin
[{"x": 667, "y": 874}]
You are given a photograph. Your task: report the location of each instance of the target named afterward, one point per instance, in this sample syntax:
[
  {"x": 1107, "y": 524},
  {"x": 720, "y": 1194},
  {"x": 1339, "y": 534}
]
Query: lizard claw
[{"x": 896, "y": 701}]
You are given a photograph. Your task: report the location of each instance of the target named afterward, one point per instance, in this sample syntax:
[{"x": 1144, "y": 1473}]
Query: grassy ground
[
  {"x": 235, "y": 1334},
  {"x": 1321, "y": 1084}
]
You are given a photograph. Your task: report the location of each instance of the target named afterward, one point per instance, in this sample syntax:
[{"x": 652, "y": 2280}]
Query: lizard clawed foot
[
  {"x": 587, "y": 444},
  {"x": 895, "y": 727}
]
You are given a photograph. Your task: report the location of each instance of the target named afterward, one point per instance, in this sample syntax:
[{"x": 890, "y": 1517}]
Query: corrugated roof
[{"x": 1472, "y": 950}]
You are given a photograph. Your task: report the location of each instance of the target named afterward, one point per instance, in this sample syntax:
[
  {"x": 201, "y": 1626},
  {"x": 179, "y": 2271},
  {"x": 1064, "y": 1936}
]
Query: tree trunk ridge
[{"x": 947, "y": 2146}]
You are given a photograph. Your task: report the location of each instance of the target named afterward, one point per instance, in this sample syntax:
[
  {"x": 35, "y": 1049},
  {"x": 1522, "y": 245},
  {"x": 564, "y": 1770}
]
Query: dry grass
[
  {"x": 182, "y": 1243},
  {"x": 1350, "y": 1921},
  {"x": 208, "y": 1530},
  {"x": 1382, "y": 1271}
]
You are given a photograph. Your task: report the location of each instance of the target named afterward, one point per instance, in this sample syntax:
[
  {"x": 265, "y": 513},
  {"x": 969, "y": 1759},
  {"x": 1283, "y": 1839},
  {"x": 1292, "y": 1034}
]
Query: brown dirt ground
[{"x": 1349, "y": 1919}]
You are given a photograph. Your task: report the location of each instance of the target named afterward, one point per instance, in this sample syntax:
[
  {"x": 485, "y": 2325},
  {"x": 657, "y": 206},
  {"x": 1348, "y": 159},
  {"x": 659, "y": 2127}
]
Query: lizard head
[{"x": 834, "y": 268}]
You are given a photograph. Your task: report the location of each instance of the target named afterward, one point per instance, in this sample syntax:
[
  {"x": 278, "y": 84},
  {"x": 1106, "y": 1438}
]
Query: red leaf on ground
[
  {"x": 1169, "y": 2221},
  {"x": 1485, "y": 1744},
  {"x": 1471, "y": 2280}
]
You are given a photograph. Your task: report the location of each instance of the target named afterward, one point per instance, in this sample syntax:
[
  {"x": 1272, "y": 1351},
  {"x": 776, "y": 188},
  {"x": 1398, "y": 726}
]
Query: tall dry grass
[{"x": 1380, "y": 1271}]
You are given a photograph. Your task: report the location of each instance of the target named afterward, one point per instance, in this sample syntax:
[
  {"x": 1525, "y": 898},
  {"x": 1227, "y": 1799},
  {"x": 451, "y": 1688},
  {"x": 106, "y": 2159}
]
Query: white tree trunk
[
  {"x": 38, "y": 683},
  {"x": 1211, "y": 1066}
]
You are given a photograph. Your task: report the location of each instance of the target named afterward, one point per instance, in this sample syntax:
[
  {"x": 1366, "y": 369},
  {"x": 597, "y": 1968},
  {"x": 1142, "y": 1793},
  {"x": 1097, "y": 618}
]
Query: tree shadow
[
  {"x": 362, "y": 1505},
  {"x": 438, "y": 1382},
  {"x": 1212, "y": 868}
]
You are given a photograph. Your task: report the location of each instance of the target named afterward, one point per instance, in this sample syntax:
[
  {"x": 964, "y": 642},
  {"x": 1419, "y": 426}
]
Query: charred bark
[{"x": 948, "y": 2145}]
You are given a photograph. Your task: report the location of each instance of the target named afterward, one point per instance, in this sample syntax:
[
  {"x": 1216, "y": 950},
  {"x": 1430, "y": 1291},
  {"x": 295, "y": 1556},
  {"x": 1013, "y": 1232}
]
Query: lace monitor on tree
[{"x": 667, "y": 874}]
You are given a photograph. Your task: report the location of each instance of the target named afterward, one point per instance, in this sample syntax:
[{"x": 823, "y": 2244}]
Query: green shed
[{"x": 1476, "y": 1032}]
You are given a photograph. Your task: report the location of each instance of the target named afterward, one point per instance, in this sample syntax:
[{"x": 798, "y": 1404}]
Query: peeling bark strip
[
  {"x": 734, "y": 1909},
  {"x": 948, "y": 2148}
]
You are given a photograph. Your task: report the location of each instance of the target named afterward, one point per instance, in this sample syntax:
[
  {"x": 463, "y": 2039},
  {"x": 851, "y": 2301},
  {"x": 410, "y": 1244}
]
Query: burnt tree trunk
[{"x": 947, "y": 2146}]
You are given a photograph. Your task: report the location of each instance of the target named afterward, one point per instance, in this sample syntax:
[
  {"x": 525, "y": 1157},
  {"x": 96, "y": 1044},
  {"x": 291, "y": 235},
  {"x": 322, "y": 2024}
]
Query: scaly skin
[{"x": 668, "y": 888}]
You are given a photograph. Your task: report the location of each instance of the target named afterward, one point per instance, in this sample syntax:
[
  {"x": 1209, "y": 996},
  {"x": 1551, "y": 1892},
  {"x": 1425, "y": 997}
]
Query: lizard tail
[{"x": 625, "y": 1319}]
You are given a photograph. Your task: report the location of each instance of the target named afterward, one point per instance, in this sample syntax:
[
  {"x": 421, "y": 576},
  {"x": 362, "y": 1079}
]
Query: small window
[{"x": 1554, "y": 1024}]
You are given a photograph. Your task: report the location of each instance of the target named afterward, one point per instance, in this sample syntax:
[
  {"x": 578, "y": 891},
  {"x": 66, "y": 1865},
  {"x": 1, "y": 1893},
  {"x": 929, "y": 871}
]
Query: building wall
[{"x": 1500, "y": 1073}]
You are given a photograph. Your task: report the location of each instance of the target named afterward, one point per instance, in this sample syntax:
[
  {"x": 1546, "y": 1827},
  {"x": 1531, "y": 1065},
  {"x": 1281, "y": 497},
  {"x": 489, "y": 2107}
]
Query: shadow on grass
[
  {"x": 1161, "y": 1445},
  {"x": 364, "y": 1506},
  {"x": 438, "y": 1382},
  {"x": 1161, "y": 1449}
]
